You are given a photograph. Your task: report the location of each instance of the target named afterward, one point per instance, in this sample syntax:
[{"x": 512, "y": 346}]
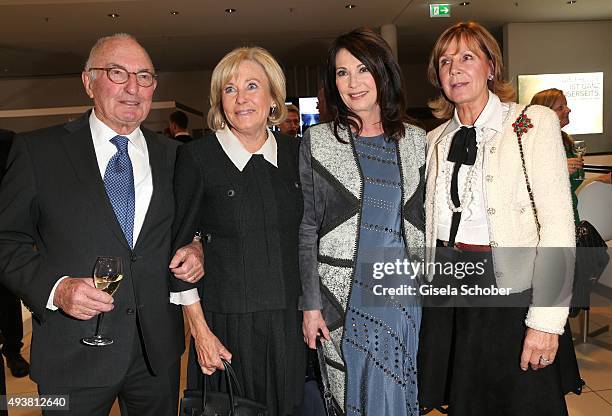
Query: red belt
[{"x": 477, "y": 248}]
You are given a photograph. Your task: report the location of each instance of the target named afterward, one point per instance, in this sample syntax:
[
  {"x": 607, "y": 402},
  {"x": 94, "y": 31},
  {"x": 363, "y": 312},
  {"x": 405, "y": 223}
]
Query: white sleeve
[
  {"x": 50, "y": 304},
  {"x": 186, "y": 297}
]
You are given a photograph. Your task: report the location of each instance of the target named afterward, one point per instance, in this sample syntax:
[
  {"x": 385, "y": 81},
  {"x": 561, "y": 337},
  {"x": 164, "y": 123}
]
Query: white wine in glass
[
  {"x": 107, "y": 274},
  {"x": 580, "y": 148}
]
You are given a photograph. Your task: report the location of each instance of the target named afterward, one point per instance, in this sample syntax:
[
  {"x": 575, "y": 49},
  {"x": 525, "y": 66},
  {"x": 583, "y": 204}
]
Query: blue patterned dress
[{"x": 380, "y": 340}]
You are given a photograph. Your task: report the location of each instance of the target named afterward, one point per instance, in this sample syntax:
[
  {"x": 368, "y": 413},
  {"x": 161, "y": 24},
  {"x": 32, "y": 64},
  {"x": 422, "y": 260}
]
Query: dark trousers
[
  {"x": 11, "y": 324},
  {"x": 139, "y": 392}
]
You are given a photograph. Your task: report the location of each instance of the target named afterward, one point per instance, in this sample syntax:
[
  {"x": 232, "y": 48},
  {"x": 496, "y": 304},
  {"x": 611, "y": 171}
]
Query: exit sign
[{"x": 439, "y": 10}]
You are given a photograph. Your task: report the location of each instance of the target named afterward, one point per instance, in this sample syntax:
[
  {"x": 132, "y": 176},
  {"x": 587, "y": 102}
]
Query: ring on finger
[{"x": 544, "y": 361}]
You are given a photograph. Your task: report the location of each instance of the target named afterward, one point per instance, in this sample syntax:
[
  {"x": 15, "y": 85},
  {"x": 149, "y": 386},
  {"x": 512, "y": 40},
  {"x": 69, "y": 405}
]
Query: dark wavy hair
[{"x": 371, "y": 50}]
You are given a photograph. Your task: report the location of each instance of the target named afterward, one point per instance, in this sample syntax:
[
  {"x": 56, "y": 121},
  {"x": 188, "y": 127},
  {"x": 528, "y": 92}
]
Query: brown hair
[
  {"x": 548, "y": 98},
  {"x": 227, "y": 68},
  {"x": 477, "y": 37}
]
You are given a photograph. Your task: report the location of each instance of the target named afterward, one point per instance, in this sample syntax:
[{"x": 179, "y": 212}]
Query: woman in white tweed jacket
[{"x": 492, "y": 360}]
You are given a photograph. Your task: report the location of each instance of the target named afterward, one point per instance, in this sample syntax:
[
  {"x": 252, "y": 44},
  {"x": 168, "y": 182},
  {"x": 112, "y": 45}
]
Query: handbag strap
[
  {"x": 327, "y": 395},
  {"x": 233, "y": 378},
  {"x": 231, "y": 381},
  {"x": 521, "y": 125}
]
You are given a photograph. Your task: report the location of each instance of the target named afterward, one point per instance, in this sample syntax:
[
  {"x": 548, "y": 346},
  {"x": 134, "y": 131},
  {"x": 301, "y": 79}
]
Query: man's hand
[
  {"x": 188, "y": 262},
  {"x": 78, "y": 297}
]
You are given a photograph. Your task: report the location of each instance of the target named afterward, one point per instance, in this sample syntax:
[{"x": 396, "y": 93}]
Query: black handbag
[
  {"x": 591, "y": 261},
  {"x": 233, "y": 403}
]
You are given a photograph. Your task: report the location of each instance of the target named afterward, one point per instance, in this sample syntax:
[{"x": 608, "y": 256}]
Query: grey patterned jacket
[{"x": 332, "y": 186}]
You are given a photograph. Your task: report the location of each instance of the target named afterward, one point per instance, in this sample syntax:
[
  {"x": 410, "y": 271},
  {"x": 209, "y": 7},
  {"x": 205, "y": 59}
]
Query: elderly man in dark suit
[{"x": 99, "y": 186}]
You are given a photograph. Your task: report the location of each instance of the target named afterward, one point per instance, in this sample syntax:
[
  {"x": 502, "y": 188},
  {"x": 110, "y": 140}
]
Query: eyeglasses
[{"x": 120, "y": 75}]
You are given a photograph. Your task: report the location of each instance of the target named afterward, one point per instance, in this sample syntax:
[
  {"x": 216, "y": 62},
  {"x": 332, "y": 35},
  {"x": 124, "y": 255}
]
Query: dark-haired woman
[{"x": 362, "y": 181}]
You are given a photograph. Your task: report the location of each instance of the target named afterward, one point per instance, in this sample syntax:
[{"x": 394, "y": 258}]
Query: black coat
[
  {"x": 250, "y": 223},
  {"x": 53, "y": 198}
]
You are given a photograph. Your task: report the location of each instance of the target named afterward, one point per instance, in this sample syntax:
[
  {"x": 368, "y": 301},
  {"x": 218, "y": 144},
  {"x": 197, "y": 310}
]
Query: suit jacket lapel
[{"x": 78, "y": 145}]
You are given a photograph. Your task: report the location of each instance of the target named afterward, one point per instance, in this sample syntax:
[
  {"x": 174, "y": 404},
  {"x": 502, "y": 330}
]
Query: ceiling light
[
  {"x": 174, "y": 13},
  {"x": 350, "y": 6},
  {"x": 464, "y": 3},
  {"x": 113, "y": 15},
  {"x": 230, "y": 11}
]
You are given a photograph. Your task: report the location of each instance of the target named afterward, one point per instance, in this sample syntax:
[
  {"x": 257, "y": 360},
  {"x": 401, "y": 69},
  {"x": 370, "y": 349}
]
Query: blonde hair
[
  {"x": 548, "y": 98},
  {"x": 227, "y": 68},
  {"x": 479, "y": 39},
  {"x": 293, "y": 108}
]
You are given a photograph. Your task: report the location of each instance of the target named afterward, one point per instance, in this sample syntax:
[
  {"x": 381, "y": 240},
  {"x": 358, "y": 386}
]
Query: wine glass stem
[{"x": 99, "y": 324}]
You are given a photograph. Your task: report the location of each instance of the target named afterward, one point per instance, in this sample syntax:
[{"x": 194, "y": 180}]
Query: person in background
[
  {"x": 362, "y": 180},
  {"x": 291, "y": 125},
  {"x": 11, "y": 324},
  {"x": 6, "y": 139},
  {"x": 178, "y": 127},
  {"x": 484, "y": 359},
  {"x": 554, "y": 99},
  {"x": 239, "y": 187}
]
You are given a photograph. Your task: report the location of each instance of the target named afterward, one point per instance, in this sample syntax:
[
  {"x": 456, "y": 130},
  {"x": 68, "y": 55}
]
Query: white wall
[{"x": 564, "y": 47}]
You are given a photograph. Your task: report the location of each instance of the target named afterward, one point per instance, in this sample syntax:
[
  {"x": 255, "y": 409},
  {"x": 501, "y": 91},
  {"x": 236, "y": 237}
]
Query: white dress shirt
[
  {"x": 473, "y": 228},
  {"x": 101, "y": 135}
]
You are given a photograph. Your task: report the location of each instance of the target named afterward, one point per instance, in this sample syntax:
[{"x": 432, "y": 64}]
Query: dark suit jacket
[
  {"x": 183, "y": 138},
  {"x": 53, "y": 198}
]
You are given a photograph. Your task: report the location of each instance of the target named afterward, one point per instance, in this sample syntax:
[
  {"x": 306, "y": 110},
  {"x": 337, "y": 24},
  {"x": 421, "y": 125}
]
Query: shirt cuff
[
  {"x": 50, "y": 304},
  {"x": 186, "y": 297}
]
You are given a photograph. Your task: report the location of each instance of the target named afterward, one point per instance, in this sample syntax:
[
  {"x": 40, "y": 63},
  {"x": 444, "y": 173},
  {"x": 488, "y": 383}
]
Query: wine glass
[
  {"x": 580, "y": 149},
  {"x": 107, "y": 275}
]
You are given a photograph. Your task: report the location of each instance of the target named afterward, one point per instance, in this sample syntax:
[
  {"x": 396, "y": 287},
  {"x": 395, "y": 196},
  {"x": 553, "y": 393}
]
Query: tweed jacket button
[
  {"x": 493, "y": 244},
  {"x": 492, "y": 150},
  {"x": 231, "y": 193},
  {"x": 491, "y": 211},
  {"x": 489, "y": 178}
]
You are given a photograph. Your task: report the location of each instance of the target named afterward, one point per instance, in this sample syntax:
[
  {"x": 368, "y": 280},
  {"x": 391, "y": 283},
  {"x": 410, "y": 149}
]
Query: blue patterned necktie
[{"x": 119, "y": 184}]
